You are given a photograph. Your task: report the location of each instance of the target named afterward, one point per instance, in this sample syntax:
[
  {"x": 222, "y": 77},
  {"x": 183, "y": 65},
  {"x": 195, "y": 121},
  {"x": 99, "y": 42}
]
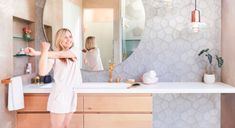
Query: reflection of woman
[
  {"x": 62, "y": 101},
  {"x": 92, "y": 60}
]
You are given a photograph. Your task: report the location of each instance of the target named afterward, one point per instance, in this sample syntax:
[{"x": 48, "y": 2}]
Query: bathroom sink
[
  {"x": 90, "y": 85},
  {"x": 49, "y": 85},
  {"x": 104, "y": 85}
]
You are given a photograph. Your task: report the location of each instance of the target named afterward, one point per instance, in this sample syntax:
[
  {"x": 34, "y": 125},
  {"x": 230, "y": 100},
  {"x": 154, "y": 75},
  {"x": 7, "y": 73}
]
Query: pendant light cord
[{"x": 195, "y": 4}]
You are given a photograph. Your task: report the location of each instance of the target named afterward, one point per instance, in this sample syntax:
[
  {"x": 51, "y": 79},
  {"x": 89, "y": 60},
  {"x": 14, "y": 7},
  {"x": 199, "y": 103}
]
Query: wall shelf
[
  {"x": 19, "y": 55},
  {"x": 17, "y": 37},
  {"x": 22, "y": 38},
  {"x": 19, "y": 41}
]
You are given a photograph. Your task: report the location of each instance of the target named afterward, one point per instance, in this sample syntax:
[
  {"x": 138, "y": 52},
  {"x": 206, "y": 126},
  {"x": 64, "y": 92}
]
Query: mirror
[{"x": 114, "y": 28}]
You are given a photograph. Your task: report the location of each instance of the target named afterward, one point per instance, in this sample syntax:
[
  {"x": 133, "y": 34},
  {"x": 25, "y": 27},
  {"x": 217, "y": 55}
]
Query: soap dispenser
[{"x": 28, "y": 68}]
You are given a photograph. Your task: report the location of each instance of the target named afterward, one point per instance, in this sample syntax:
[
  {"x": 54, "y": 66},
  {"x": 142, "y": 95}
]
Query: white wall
[
  {"x": 72, "y": 15},
  {"x": 228, "y": 39},
  {"x": 53, "y": 15},
  {"x": 228, "y": 70},
  {"x": 7, "y": 119},
  {"x": 24, "y": 9}
]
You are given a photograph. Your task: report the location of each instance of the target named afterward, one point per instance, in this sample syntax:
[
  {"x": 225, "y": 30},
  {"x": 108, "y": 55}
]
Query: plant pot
[{"x": 209, "y": 78}]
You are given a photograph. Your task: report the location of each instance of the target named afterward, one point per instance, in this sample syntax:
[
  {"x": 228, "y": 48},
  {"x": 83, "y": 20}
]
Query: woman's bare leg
[
  {"x": 57, "y": 120},
  {"x": 67, "y": 119}
]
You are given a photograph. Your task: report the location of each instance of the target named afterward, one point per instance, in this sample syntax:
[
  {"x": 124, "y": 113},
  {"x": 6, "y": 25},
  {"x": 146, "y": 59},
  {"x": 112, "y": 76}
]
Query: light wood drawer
[
  {"x": 38, "y": 103},
  {"x": 118, "y": 121},
  {"x": 42, "y": 120},
  {"x": 118, "y": 103}
]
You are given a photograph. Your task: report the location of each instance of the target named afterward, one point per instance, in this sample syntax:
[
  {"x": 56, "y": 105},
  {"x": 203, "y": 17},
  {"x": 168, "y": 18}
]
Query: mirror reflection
[
  {"x": 106, "y": 31},
  {"x": 91, "y": 55}
]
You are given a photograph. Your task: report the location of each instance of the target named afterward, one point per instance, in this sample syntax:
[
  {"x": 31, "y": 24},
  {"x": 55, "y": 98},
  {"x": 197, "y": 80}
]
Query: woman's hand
[
  {"x": 45, "y": 47},
  {"x": 32, "y": 52}
]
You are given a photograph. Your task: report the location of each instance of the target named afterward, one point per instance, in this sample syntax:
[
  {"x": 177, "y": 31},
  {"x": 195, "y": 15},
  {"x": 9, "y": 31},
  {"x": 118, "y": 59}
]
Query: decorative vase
[
  {"x": 209, "y": 78},
  {"x": 27, "y": 37}
]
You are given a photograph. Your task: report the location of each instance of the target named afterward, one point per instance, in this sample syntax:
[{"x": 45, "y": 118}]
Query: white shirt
[{"x": 92, "y": 60}]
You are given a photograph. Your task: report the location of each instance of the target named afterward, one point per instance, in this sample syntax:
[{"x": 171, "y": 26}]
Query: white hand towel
[{"x": 15, "y": 94}]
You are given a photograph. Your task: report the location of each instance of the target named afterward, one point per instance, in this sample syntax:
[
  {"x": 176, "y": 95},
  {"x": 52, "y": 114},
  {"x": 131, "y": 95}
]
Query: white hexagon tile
[
  {"x": 186, "y": 111},
  {"x": 170, "y": 48},
  {"x": 169, "y": 43}
]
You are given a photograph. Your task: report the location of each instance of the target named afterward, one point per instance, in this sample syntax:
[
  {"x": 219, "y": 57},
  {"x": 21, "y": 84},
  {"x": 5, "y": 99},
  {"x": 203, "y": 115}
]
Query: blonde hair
[
  {"x": 90, "y": 43},
  {"x": 59, "y": 38}
]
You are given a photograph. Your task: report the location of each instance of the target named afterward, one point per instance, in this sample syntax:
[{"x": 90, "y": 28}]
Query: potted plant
[
  {"x": 209, "y": 76},
  {"x": 27, "y": 34}
]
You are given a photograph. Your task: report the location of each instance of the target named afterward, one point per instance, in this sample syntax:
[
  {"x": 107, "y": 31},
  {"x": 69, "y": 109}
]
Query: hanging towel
[{"x": 15, "y": 94}]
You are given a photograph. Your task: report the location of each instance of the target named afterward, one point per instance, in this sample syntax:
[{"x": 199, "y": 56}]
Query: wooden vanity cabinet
[
  {"x": 118, "y": 111},
  {"x": 35, "y": 114},
  {"x": 42, "y": 120},
  {"x": 93, "y": 111},
  {"x": 38, "y": 103}
]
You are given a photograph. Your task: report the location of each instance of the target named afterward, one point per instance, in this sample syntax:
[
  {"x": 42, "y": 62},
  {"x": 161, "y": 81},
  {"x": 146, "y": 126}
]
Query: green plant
[
  {"x": 27, "y": 34},
  {"x": 220, "y": 60}
]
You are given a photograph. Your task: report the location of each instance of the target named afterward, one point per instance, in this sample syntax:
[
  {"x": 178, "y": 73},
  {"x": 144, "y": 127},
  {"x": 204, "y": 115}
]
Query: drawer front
[
  {"x": 42, "y": 120},
  {"x": 38, "y": 103},
  {"x": 118, "y": 121},
  {"x": 118, "y": 103}
]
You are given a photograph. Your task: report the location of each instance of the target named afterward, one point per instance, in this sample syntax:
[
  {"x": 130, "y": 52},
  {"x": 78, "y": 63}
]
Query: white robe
[{"x": 63, "y": 98}]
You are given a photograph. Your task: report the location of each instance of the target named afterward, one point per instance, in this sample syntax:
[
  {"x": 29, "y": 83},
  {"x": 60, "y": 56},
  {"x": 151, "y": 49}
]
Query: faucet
[
  {"x": 36, "y": 80},
  {"x": 111, "y": 67}
]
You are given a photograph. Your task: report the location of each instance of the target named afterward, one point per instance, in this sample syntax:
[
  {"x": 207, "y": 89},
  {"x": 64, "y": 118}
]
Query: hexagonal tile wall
[{"x": 169, "y": 46}]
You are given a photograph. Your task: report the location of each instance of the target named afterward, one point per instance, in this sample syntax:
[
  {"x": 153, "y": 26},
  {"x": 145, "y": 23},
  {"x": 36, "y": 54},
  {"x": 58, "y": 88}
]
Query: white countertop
[{"x": 161, "y": 87}]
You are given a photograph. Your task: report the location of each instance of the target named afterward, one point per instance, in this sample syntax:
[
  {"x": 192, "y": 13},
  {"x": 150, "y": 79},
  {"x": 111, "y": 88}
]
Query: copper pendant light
[
  {"x": 195, "y": 14},
  {"x": 195, "y": 18}
]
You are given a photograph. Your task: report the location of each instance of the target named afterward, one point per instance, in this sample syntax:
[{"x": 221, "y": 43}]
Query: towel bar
[{"x": 6, "y": 81}]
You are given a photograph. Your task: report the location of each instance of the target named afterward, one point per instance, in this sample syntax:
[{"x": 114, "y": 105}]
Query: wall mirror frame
[{"x": 127, "y": 26}]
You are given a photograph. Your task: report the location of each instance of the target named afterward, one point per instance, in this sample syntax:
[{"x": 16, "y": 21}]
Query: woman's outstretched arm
[{"x": 51, "y": 54}]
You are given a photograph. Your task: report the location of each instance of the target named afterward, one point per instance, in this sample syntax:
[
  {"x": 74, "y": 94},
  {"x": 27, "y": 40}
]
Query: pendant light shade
[{"x": 195, "y": 18}]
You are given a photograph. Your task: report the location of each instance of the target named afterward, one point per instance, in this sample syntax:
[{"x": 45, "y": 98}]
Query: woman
[
  {"x": 62, "y": 100},
  {"x": 92, "y": 60}
]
